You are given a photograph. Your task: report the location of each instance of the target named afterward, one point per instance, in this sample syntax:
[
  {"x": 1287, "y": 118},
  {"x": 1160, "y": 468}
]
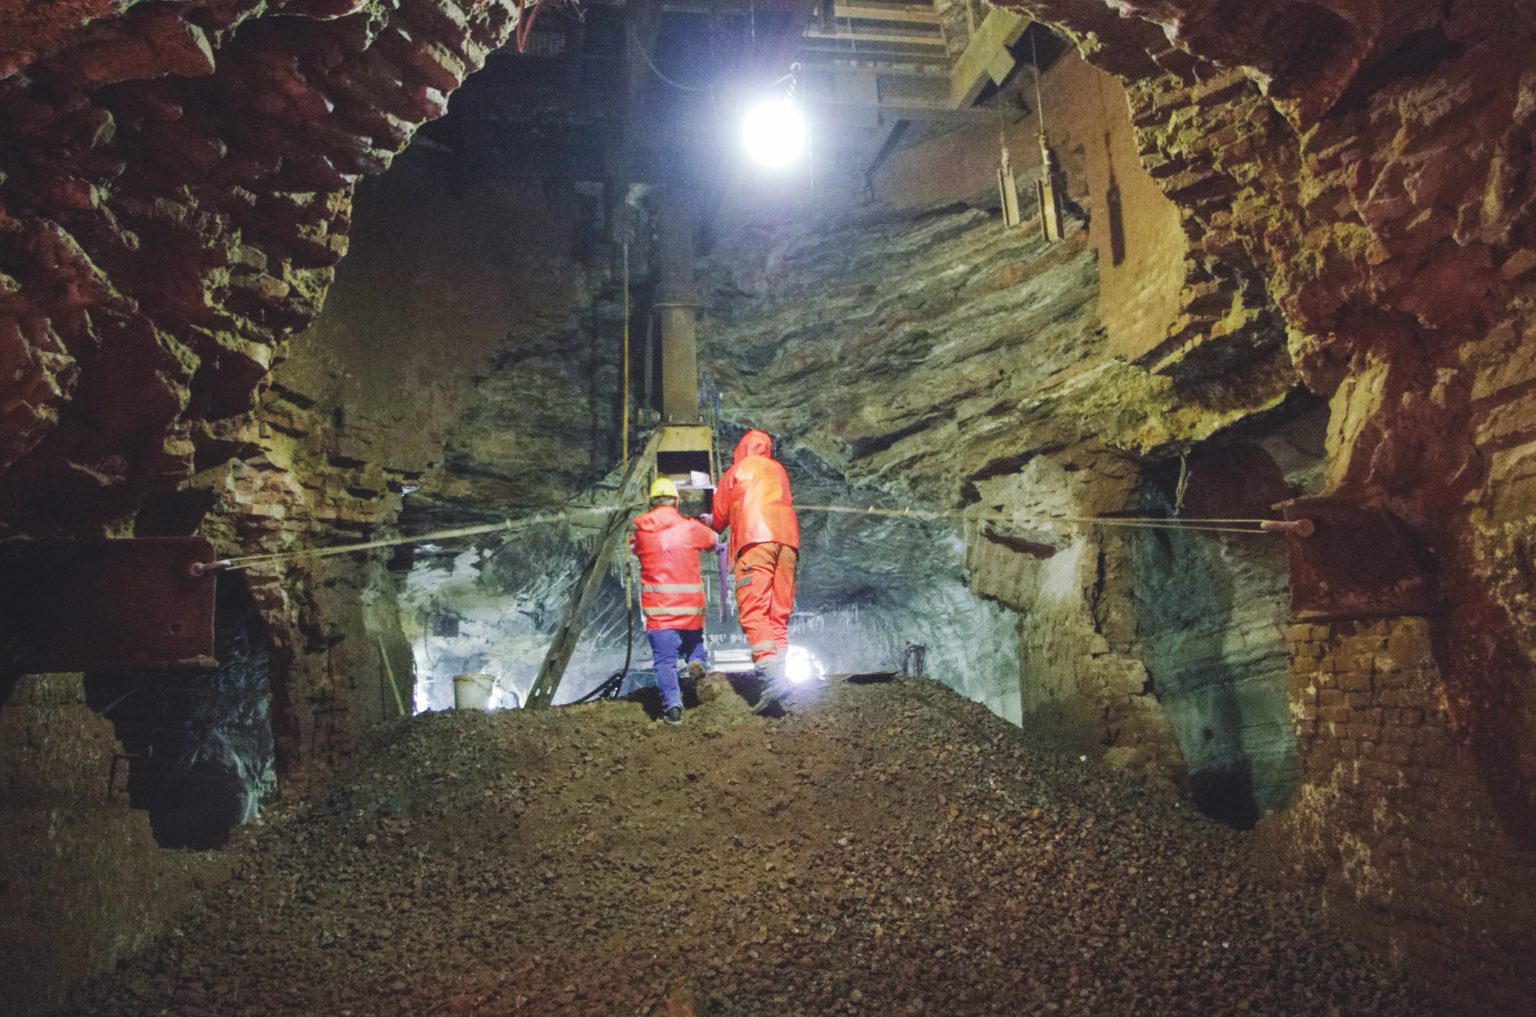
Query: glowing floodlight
[
  {"x": 801, "y": 666},
  {"x": 774, "y": 132}
]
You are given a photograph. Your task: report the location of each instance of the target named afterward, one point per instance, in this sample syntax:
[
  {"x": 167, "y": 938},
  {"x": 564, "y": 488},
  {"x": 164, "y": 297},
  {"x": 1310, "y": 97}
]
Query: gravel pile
[{"x": 887, "y": 849}]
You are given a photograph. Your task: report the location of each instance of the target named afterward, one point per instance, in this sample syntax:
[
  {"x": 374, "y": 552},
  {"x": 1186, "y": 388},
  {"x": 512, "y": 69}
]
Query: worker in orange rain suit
[
  {"x": 753, "y": 501},
  {"x": 671, "y": 591}
]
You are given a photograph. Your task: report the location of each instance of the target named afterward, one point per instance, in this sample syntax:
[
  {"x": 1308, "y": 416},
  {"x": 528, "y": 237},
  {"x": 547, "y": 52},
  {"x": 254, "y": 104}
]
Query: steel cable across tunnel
[{"x": 1299, "y": 527}]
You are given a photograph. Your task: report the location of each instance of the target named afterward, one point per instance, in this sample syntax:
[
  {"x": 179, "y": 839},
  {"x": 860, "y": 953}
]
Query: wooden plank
[
  {"x": 907, "y": 13},
  {"x": 574, "y": 618},
  {"x": 923, "y": 67},
  {"x": 933, "y": 62},
  {"x": 979, "y": 62},
  {"x": 849, "y": 113},
  {"x": 905, "y": 39}
]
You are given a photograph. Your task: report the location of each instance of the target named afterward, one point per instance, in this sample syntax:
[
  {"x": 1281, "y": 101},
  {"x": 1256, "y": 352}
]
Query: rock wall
[
  {"x": 1212, "y": 610},
  {"x": 1084, "y": 681},
  {"x": 945, "y": 361},
  {"x": 1395, "y": 819},
  {"x": 83, "y": 882},
  {"x": 175, "y": 190},
  {"x": 1364, "y": 160},
  {"x": 412, "y": 401},
  {"x": 1135, "y": 229}
]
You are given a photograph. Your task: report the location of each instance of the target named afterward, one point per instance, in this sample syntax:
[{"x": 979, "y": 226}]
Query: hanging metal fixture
[
  {"x": 1051, "y": 218},
  {"x": 1007, "y": 185}
]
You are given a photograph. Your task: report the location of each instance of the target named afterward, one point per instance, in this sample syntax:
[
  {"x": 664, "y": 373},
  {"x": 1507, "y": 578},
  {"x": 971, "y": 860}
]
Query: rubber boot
[{"x": 775, "y": 686}]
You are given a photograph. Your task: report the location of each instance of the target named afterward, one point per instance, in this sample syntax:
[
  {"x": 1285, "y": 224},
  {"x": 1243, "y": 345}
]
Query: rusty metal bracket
[
  {"x": 1357, "y": 561},
  {"x": 114, "y": 605}
]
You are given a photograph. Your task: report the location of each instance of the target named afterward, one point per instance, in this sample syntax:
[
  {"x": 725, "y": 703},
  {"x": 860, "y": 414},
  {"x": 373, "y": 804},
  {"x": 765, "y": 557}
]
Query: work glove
[{"x": 707, "y": 520}]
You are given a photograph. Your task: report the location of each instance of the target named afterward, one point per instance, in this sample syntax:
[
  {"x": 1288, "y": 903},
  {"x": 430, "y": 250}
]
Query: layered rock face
[
  {"x": 946, "y": 363},
  {"x": 1211, "y": 615},
  {"x": 1366, "y": 160}
]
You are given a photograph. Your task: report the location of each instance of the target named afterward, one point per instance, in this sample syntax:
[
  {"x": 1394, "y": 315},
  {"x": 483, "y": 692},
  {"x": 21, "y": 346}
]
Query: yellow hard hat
[{"x": 662, "y": 487}]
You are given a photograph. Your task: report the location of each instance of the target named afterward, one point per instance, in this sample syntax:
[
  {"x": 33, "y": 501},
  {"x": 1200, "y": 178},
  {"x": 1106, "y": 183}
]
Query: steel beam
[{"x": 931, "y": 40}]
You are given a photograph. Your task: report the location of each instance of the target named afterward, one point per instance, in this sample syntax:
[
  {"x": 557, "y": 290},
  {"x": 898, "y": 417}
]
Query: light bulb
[{"x": 773, "y": 132}]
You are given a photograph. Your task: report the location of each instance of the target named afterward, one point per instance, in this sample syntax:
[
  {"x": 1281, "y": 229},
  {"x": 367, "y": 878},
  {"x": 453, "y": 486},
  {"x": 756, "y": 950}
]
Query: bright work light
[
  {"x": 801, "y": 666},
  {"x": 774, "y": 133}
]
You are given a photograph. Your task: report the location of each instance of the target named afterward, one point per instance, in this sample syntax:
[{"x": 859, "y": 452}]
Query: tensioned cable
[
  {"x": 1140, "y": 522},
  {"x": 1034, "y": 60},
  {"x": 1196, "y": 525},
  {"x": 508, "y": 525}
]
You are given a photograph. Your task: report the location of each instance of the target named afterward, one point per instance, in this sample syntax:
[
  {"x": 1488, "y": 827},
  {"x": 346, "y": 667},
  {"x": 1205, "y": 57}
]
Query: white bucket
[{"x": 473, "y": 691}]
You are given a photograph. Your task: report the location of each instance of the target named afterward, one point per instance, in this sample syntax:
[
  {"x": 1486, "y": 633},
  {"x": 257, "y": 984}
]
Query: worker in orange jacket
[
  {"x": 671, "y": 591},
  {"x": 753, "y": 501}
]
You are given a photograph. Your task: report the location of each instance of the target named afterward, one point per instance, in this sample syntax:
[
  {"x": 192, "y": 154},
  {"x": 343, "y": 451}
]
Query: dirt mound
[{"x": 887, "y": 849}]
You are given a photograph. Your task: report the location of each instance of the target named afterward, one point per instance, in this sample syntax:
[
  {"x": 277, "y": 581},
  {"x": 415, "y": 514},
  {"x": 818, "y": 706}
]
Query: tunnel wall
[
  {"x": 1211, "y": 611},
  {"x": 1360, "y": 158},
  {"x": 82, "y": 880},
  {"x": 1396, "y": 817},
  {"x": 456, "y": 353},
  {"x": 175, "y": 191},
  {"x": 1135, "y": 229},
  {"x": 927, "y": 352},
  {"x": 175, "y": 186}
]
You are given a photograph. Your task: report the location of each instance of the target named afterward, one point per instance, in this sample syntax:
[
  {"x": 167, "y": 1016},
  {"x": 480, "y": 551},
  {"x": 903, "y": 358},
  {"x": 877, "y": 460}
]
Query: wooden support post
[
  {"x": 389, "y": 674},
  {"x": 574, "y": 618}
]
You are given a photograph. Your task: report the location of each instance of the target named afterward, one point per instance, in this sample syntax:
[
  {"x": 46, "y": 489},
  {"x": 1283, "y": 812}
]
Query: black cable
[
  {"x": 635, "y": 39},
  {"x": 610, "y": 687}
]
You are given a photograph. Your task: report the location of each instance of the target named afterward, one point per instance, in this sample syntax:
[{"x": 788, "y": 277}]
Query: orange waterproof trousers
[{"x": 765, "y": 594}]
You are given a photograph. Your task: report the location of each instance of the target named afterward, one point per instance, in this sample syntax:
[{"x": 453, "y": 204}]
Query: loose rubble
[{"x": 884, "y": 849}]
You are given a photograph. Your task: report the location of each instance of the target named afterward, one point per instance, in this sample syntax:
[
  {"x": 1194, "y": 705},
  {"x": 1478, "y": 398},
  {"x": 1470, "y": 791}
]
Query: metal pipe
[{"x": 677, "y": 305}]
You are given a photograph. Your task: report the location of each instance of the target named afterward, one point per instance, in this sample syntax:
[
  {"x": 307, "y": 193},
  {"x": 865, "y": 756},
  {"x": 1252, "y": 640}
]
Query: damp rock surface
[{"x": 883, "y": 849}]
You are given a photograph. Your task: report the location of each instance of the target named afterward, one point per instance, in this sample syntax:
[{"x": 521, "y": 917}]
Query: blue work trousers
[{"x": 669, "y": 647}]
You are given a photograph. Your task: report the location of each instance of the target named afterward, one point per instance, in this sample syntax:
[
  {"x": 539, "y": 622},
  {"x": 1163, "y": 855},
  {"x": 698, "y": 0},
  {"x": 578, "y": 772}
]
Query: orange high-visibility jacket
[
  {"x": 753, "y": 498},
  {"x": 668, "y": 546}
]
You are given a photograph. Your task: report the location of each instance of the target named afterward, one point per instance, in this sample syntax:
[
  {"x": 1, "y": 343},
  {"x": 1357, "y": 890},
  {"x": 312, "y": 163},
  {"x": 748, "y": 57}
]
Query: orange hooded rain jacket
[{"x": 753, "y": 498}]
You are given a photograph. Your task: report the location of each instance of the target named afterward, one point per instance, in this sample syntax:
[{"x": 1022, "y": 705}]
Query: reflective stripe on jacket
[
  {"x": 668, "y": 546},
  {"x": 753, "y": 498}
]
